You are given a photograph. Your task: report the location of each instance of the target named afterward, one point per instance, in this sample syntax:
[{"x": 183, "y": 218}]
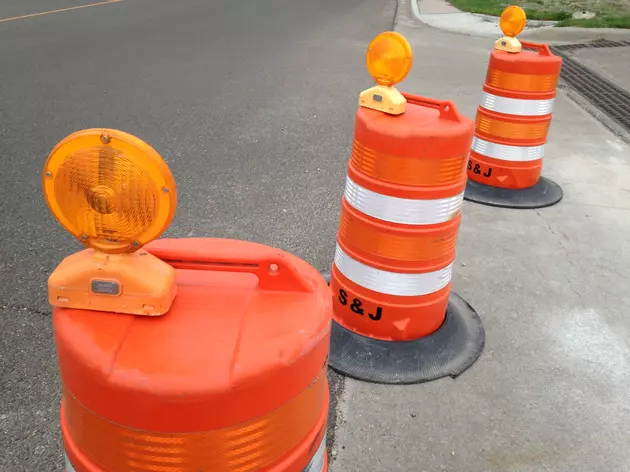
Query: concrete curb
[{"x": 441, "y": 15}]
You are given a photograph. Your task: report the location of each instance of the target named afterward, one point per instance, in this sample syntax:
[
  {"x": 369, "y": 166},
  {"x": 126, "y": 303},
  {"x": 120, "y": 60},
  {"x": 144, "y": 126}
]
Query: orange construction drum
[
  {"x": 512, "y": 124},
  {"x": 395, "y": 318},
  {"x": 231, "y": 379},
  {"x": 399, "y": 220}
]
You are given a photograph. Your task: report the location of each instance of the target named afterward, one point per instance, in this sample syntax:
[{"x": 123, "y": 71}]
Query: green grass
[
  {"x": 599, "y": 22},
  {"x": 496, "y": 7},
  {"x": 610, "y": 13}
]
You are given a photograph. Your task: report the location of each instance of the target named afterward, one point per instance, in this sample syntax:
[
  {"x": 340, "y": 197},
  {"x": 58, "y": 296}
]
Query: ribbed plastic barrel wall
[
  {"x": 231, "y": 379},
  {"x": 400, "y": 217},
  {"x": 513, "y": 117}
]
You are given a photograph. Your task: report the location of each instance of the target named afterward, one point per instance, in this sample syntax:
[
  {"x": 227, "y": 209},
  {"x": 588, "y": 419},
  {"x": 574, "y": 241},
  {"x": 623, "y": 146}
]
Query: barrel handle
[
  {"x": 445, "y": 107},
  {"x": 541, "y": 49},
  {"x": 273, "y": 268}
]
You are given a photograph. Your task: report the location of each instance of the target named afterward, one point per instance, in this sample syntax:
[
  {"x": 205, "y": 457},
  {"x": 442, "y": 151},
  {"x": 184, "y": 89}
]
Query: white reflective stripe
[
  {"x": 318, "y": 461},
  {"x": 391, "y": 283},
  {"x": 69, "y": 467},
  {"x": 507, "y": 153},
  {"x": 516, "y": 106},
  {"x": 402, "y": 210}
]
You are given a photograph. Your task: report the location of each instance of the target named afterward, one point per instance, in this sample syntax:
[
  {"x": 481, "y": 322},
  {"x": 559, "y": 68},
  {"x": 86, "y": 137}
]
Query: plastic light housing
[
  {"x": 389, "y": 58},
  {"x": 512, "y": 21},
  {"x": 109, "y": 189}
]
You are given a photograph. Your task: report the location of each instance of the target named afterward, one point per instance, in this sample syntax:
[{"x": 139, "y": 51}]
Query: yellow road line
[{"x": 2, "y": 20}]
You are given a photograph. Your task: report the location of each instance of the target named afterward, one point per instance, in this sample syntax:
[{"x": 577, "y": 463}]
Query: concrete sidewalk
[
  {"x": 440, "y": 14},
  {"x": 550, "y": 392}
]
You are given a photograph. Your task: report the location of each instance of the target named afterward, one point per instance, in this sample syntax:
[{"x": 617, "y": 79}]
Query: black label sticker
[
  {"x": 356, "y": 306},
  {"x": 477, "y": 169}
]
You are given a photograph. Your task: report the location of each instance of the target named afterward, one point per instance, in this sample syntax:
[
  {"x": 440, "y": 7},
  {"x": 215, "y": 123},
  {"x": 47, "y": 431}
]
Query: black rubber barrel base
[
  {"x": 448, "y": 352},
  {"x": 545, "y": 193}
]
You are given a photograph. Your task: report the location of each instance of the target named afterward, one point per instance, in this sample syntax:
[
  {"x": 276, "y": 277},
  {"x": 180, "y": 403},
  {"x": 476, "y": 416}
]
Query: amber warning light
[
  {"x": 388, "y": 60},
  {"x": 512, "y": 22},
  {"x": 114, "y": 193}
]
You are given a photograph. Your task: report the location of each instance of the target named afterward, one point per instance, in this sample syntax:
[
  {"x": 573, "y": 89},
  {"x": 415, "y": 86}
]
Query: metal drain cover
[{"x": 608, "y": 97}]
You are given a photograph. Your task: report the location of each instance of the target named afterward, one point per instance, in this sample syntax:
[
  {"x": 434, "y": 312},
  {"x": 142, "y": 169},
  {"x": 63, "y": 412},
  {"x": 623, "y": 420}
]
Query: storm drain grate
[
  {"x": 608, "y": 97},
  {"x": 602, "y": 43}
]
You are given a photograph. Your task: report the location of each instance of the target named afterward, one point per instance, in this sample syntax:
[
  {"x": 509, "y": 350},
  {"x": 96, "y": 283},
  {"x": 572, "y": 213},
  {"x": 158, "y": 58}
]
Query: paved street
[{"x": 251, "y": 104}]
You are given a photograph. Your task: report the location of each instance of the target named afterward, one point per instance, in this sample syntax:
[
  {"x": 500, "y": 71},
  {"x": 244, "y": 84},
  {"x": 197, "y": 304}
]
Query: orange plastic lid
[
  {"x": 538, "y": 60},
  {"x": 248, "y": 331},
  {"x": 429, "y": 129}
]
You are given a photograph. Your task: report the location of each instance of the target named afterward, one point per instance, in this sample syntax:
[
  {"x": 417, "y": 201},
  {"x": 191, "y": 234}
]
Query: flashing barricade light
[
  {"x": 511, "y": 22},
  {"x": 114, "y": 193},
  {"x": 512, "y": 124},
  {"x": 389, "y": 58},
  {"x": 395, "y": 319}
]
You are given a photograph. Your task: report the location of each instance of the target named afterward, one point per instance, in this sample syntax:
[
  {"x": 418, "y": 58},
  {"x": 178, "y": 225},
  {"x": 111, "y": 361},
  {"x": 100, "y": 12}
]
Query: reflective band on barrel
[
  {"x": 402, "y": 210},
  {"x": 365, "y": 237},
  {"x": 507, "y": 153},
  {"x": 253, "y": 445},
  {"x": 315, "y": 465},
  {"x": 406, "y": 170},
  {"x": 522, "y": 82},
  {"x": 510, "y": 129},
  {"x": 391, "y": 283},
  {"x": 516, "y": 106},
  {"x": 318, "y": 461}
]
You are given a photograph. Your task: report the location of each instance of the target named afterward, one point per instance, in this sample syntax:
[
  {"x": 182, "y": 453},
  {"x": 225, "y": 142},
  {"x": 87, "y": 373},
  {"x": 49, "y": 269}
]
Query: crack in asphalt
[{"x": 33, "y": 311}]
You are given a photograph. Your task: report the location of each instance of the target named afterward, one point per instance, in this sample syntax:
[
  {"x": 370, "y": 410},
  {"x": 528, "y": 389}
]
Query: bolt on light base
[
  {"x": 114, "y": 193},
  {"x": 137, "y": 283},
  {"x": 383, "y": 98},
  {"x": 508, "y": 44},
  {"x": 388, "y": 60}
]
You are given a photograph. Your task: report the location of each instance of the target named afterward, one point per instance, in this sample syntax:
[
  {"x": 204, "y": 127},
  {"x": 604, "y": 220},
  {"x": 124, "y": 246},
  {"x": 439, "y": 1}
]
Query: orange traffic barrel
[
  {"x": 511, "y": 128},
  {"x": 231, "y": 379},
  {"x": 180, "y": 355},
  {"x": 395, "y": 319}
]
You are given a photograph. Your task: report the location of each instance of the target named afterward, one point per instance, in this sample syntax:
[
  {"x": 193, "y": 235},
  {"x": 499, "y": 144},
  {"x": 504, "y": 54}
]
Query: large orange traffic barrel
[
  {"x": 186, "y": 354},
  {"x": 512, "y": 123},
  {"x": 395, "y": 319}
]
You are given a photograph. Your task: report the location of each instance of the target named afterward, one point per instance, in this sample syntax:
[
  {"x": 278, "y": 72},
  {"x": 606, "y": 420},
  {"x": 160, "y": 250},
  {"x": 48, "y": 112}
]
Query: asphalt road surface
[{"x": 250, "y": 102}]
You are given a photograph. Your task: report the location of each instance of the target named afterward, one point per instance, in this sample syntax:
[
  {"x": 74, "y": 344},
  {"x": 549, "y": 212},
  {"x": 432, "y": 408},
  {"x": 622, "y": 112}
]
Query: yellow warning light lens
[
  {"x": 389, "y": 58},
  {"x": 109, "y": 189},
  {"x": 512, "y": 20}
]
